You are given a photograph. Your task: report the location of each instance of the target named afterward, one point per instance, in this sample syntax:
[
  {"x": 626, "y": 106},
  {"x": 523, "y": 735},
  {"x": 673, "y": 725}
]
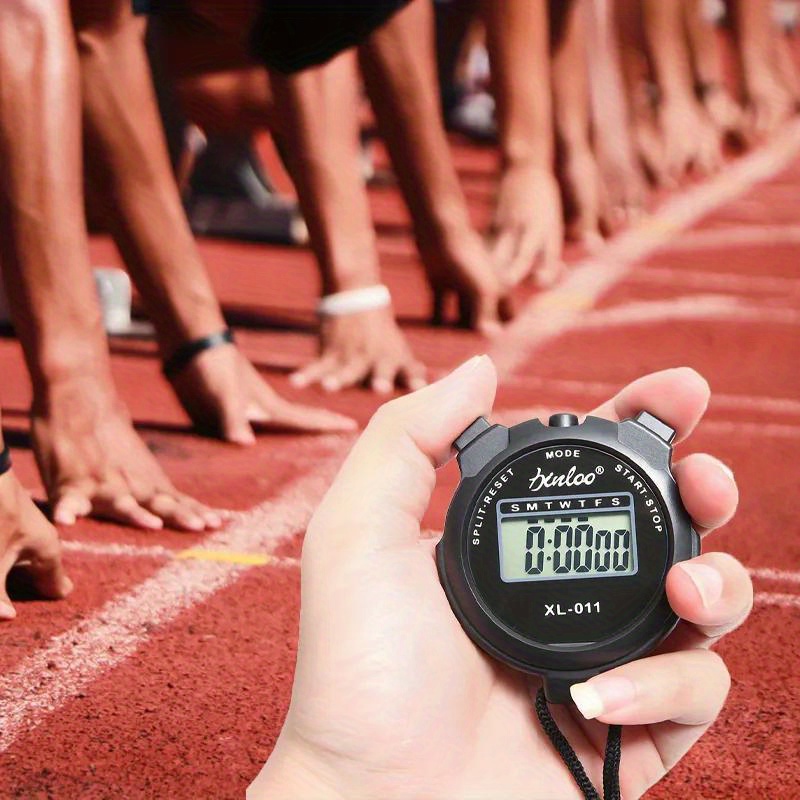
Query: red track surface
[{"x": 180, "y": 692}]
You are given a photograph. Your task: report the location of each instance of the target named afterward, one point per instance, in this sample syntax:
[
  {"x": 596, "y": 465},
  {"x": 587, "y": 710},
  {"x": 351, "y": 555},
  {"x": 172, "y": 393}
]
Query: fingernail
[
  {"x": 602, "y": 695},
  {"x": 706, "y": 580},
  {"x": 727, "y": 470},
  {"x": 7, "y": 611},
  {"x": 297, "y": 380},
  {"x": 66, "y": 586},
  {"x": 330, "y": 385},
  {"x": 467, "y": 366},
  {"x": 382, "y": 386},
  {"x": 213, "y": 520}
]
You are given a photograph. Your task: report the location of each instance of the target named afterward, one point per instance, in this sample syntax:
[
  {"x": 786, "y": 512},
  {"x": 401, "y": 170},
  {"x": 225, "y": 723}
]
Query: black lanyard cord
[{"x": 570, "y": 757}]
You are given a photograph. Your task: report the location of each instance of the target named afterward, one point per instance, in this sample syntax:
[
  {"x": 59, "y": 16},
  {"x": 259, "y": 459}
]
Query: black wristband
[
  {"x": 186, "y": 352},
  {"x": 5, "y": 460}
]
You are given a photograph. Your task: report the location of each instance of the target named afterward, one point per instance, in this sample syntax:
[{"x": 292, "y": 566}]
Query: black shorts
[{"x": 291, "y": 35}]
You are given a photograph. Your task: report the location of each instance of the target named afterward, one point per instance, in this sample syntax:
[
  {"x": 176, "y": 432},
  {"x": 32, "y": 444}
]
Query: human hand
[
  {"x": 391, "y": 699},
  {"x": 225, "y": 396},
  {"x": 584, "y": 207},
  {"x": 367, "y": 347},
  {"x": 458, "y": 262},
  {"x": 691, "y": 142},
  {"x": 94, "y": 463},
  {"x": 527, "y": 233},
  {"x": 769, "y": 105},
  {"x": 28, "y": 543},
  {"x": 623, "y": 184},
  {"x": 726, "y": 114}
]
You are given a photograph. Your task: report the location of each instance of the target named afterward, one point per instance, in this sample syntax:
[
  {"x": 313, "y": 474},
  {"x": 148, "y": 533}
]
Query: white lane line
[
  {"x": 603, "y": 389},
  {"x": 777, "y": 599},
  {"x": 736, "y": 236},
  {"x": 116, "y": 550},
  {"x": 715, "y": 281},
  {"x": 551, "y": 313},
  {"x": 32, "y": 689},
  {"x": 703, "y": 308},
  {"x": 767, "y": 574},
  {"x": 112, "y": 550}
]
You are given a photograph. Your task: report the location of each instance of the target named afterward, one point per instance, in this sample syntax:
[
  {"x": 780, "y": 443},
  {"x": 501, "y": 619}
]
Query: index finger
[{"x": 679, "y": 397}]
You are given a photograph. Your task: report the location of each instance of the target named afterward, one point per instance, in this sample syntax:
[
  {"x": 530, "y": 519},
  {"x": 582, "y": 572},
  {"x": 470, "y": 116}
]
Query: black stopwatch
[{"x": 558, "y": 541}]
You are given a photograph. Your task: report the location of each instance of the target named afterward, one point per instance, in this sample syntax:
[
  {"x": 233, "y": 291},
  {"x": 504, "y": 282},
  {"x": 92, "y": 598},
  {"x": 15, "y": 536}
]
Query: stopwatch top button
[
  {"x": 471, "y": 433},
  {"x": 562, "y": 421},
  {"x": 654, "y": 424}
]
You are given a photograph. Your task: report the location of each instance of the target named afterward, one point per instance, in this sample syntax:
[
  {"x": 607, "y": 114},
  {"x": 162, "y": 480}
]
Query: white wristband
[{"x": 354, "y": 301}]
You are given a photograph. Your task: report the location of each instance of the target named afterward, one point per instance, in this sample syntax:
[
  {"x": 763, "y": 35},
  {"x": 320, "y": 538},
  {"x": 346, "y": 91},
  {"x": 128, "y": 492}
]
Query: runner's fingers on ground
[
  {"x": 708, "y": 490},
  {"x": 7, "y": 561},
  {"x": 678, "y": 397},
  {"x": 347, "y": 373},
  {"x": 688, "y": 687},
  {"x": 41, "y": 560},
  {"x": 72, "y": 500},
  {"x": 114, "y": 501},
  {"x": 174, "y": 512},
  {"x": 283, "y": 415},
  {"x": 268, "y": 410},
  {"x": 313, "y": 372}
]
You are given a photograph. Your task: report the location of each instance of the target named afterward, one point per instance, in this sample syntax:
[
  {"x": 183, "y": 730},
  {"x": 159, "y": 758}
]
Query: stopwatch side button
[
  {"x": 478, "y": 444},
  {"x": 654, "y": 424},
  {"x": 470, "y": 434}
]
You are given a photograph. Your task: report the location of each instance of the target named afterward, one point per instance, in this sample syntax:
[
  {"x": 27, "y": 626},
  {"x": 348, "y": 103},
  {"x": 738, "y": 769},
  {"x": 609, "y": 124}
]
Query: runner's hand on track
[
  {"x": 225, "y": 396},
  {"x": 367, "y": 347},
  {"x": 391, "y": 699},
  {"x": 460, "y": 264},
  {"x": 93, "y": 463},
  {"x": 528, "y": 228},
  {"x": 28, "y": 542}
]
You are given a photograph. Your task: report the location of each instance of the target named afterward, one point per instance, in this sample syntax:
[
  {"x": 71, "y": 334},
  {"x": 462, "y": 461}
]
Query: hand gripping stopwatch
[{"x": 558, "y": 541}]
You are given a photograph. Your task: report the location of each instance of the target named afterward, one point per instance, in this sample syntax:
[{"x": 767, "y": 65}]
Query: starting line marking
[{"x": 31, "y": 691}]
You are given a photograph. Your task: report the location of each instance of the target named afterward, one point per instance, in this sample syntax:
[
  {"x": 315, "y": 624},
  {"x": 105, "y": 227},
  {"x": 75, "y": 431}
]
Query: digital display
[{"x": 569, "y": 543}]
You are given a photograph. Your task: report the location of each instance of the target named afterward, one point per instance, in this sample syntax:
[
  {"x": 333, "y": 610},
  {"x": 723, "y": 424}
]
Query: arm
[
  {"x": 578, "y": 169},
  {"x": 690, "y": 140},
  {"x": 90, "y": 457},
  {"x": 400, "y": 76},
  {"x": 130, "y": 168},
  {"x": 527, "y": 224},
  {"x": 611, "y": 118}
]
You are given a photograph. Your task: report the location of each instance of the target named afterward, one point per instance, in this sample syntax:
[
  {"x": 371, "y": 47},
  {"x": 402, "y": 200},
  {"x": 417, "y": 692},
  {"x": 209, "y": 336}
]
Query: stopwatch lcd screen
[{"x": 559, "y": 546}]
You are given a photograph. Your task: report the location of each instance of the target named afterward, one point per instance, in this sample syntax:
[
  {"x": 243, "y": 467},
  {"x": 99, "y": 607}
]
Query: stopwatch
[{"x": 558, "y": 541}]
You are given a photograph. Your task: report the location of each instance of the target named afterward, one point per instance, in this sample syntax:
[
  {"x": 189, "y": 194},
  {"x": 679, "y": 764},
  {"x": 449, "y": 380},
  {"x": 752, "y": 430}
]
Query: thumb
[{"x": 384, "y": 487}]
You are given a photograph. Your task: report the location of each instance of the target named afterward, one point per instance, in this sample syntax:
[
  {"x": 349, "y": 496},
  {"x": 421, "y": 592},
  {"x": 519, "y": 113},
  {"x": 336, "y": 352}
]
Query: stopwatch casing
[{"x": 558, "y": 541}]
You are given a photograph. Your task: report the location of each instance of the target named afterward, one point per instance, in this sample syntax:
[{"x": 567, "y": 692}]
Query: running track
[{"x": 167, "y": 673}]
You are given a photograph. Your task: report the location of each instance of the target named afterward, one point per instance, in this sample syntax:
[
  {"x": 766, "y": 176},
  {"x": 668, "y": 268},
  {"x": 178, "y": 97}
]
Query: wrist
[
  {"x": 533, "y": 153},
  {"x": 190, "y": 317},
  {"x": 289, "y": 774}
]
